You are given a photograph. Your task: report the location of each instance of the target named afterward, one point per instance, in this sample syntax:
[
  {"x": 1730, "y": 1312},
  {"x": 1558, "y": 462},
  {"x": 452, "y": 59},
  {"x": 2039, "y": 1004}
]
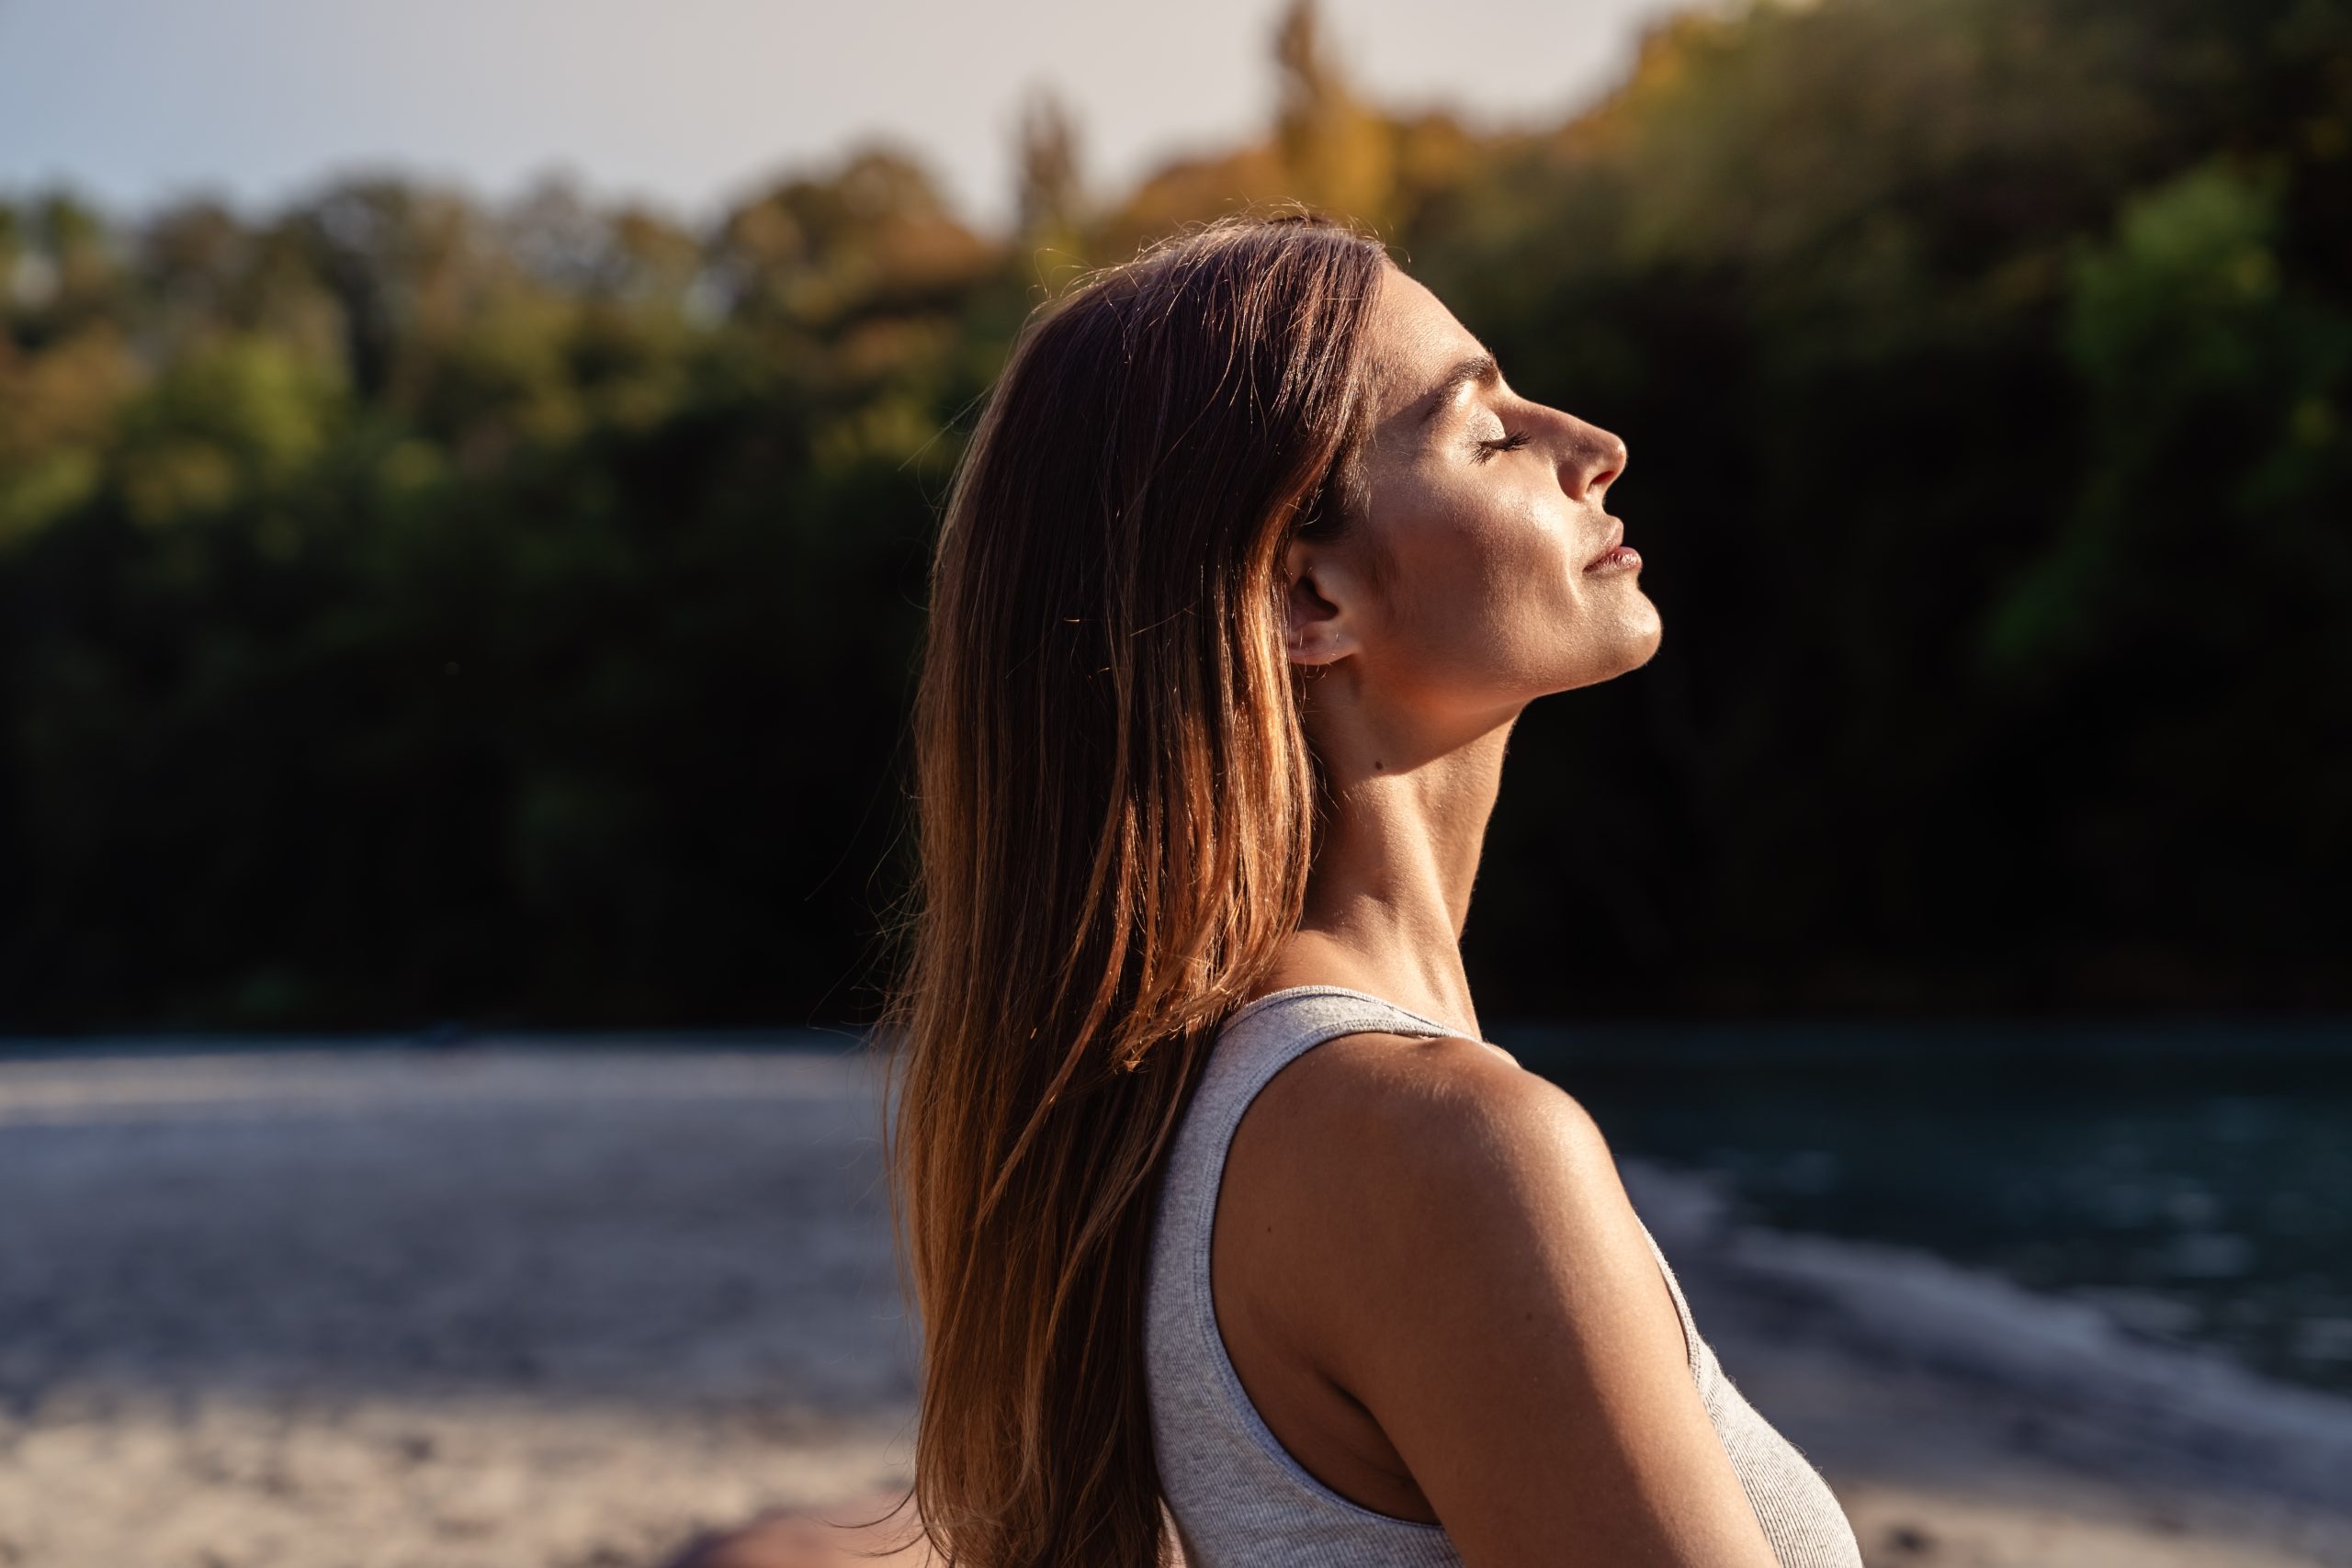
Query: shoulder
[
  {"x": 1382, "y": 1189},
  {"x": 1486, "y": 1293},
  {"x": 1440, "y": 1180},
  {"x": 1411, "y": 1109}
]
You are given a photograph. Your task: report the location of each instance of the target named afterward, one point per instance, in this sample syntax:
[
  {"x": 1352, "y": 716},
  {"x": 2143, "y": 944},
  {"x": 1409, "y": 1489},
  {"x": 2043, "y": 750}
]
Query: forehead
[{"x": 1415, "y": 341}]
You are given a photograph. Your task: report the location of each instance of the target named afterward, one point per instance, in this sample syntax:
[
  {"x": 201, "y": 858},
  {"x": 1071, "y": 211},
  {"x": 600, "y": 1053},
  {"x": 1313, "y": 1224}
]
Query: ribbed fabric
[{"x": 1237, "y": 1499}]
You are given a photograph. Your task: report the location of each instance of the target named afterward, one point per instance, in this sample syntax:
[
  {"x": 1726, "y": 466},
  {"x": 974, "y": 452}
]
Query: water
[{"x": 2194, "y": 1181}]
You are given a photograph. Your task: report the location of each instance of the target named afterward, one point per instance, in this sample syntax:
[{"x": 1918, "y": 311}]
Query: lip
[{"x": 1616, "y": 538}]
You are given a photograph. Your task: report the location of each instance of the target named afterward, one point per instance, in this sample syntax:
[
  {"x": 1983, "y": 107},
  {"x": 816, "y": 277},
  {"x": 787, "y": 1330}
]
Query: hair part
[{"x": 1115, "y": 812}]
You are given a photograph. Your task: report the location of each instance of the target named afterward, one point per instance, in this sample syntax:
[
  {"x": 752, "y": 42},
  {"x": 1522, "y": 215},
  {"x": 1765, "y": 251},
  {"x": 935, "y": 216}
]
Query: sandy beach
[{"x": 534, "y": 1306}]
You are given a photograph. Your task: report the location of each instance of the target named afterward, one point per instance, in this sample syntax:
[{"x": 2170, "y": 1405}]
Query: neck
[{"x": 1390, "y": 892}]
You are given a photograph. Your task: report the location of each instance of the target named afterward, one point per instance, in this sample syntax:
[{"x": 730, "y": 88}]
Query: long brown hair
[{"x": 1116, "y": 811}]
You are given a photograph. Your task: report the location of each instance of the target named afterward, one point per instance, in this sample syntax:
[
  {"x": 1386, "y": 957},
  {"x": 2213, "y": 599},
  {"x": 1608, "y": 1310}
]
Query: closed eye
[{"x": 1509, "y": 442}]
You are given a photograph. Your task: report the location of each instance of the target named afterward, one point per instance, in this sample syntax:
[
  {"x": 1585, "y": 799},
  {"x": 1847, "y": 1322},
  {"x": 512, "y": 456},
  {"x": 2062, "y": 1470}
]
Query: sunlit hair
[{"x": 1116, "y": 809}]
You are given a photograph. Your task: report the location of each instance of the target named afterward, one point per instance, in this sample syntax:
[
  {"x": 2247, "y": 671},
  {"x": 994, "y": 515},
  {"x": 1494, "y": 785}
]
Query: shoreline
[
  {"x": 520, "y": 1306},
  {"x": 1921, "y": 1388}
]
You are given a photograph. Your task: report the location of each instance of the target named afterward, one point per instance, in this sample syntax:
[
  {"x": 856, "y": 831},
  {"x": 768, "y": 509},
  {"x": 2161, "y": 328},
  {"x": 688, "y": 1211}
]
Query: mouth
[{"x": 1614, "y": 552}]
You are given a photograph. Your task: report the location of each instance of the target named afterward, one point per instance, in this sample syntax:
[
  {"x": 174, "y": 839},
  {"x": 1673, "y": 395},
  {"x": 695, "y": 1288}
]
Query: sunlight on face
[{"x": 1487, "y": 512}]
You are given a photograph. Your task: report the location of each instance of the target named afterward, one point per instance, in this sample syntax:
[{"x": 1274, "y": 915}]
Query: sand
[{"x": 549, "y": 1307}]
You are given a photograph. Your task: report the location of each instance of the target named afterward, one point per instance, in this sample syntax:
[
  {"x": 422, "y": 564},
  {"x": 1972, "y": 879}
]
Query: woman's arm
[{"x": 1491, "y": 1298}]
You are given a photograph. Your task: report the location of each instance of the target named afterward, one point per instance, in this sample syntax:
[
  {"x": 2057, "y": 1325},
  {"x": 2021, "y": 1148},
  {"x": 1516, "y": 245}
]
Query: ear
[{"x": 1317, "y": 600}]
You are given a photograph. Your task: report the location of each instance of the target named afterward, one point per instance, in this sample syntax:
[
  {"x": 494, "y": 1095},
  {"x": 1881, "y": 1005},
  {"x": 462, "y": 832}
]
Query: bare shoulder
[
  {"x": 1434, "y": 1099},
  {"x": 1437, "y": 1181},
  {"x": 1485, "y": 1290},
  {"x": 1442, "y": 1134}
]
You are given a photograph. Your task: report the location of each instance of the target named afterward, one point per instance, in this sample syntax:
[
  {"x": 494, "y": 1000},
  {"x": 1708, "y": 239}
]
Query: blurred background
[{"x": 466, "y": 483}]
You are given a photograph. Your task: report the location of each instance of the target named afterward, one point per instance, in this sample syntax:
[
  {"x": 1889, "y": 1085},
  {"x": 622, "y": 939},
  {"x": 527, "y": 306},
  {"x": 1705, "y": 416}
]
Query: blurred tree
[
  {"x": 409, "y": 610},
  {"x": 874, "y": 236},
  {"x": 406, "y": 266},
  {"x": 1328, "y": 150},
  {"x": 1339, "y": 156},
  {"x": 1050, "y": 203}
]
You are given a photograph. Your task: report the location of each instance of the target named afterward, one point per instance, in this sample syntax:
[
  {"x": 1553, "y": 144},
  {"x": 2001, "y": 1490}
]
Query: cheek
[{"x": 1481, "y": 576}]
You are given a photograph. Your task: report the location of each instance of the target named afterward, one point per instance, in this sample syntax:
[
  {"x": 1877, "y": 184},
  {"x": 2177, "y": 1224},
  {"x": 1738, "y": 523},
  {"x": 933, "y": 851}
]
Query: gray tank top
[{"x": 1237, "y": 1497}]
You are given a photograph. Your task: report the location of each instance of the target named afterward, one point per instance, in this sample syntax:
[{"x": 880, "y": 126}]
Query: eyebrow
[{"x": 1479, "y": 369}]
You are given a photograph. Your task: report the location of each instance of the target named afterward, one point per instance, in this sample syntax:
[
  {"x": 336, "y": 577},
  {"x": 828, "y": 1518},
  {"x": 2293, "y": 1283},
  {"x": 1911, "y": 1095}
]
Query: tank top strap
[{"x": 1263, "y": 1036}]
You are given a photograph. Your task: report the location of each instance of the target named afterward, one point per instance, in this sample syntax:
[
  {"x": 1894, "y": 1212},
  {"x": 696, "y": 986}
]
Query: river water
[{"x": 2193, "y": 1180}]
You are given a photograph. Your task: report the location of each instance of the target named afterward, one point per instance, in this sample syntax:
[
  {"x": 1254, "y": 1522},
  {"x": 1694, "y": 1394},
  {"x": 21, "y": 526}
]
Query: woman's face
[{"x": 1483, "y": 573}]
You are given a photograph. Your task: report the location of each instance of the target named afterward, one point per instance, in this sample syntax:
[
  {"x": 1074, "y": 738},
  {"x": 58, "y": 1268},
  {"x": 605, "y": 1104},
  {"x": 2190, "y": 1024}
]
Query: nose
[{"x": 1593, "y": 460}]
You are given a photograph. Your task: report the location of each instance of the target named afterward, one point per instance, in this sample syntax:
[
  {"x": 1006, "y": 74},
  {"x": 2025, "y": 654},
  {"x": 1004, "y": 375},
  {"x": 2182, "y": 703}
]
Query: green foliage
[
  {"x": 2182, "y": 331},
  {"x": 226, "y": 424},
  {"x": 410, "y": 611}
]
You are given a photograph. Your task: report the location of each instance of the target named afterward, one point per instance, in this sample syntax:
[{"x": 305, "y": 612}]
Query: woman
[{"x": 1253, "y": 561}]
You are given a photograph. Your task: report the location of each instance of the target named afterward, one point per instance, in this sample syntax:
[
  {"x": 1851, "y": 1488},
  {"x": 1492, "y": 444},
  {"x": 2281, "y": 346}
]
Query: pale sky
[{"x": 688, "y": 102}]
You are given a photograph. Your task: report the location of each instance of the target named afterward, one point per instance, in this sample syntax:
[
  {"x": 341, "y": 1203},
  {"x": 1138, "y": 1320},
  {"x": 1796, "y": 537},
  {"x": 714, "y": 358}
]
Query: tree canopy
[{"x": 415, "y": 609}]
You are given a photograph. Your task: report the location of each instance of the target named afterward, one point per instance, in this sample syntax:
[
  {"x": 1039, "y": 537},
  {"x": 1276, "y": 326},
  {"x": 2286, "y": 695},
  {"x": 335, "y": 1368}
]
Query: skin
[{"x": 1424, "y": 1265}]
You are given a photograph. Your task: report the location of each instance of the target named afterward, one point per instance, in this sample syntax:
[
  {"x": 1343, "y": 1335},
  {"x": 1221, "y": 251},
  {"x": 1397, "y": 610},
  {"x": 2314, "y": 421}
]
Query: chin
[
  {"x": 1636, "y": 640},
  {"x": 1643, "y": 645},
  {"x": 1628, "y": 646}
]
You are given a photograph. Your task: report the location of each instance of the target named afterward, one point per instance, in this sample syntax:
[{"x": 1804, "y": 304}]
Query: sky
[{"x": 688, "y": 103}]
